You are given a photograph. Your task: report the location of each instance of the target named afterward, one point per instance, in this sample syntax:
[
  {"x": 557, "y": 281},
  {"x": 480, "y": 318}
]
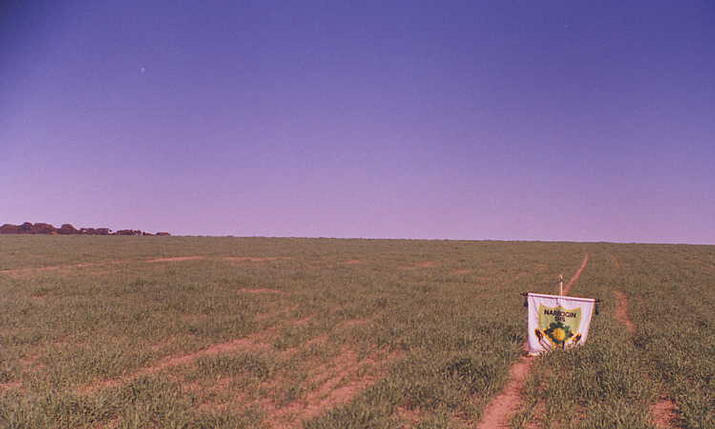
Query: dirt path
[
  {"x": 616, "y": 262},
  {"x": 500, "y": 410},
  {"x": 174, "y": 259},
  {"x": 622, "y": 311},
  {"x": 502, "y": 407},
  {"x": 576, "y": 276},
  {"x": 663, "y": 412}
]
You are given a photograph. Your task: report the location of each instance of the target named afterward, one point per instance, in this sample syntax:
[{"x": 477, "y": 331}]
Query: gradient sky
[{"x": 583, "y": 121}]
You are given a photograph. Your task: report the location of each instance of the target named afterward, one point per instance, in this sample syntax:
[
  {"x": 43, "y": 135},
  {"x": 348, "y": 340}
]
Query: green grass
[
  {"x": 615, "y": 379},
  {"x": 389, "y": 335}
]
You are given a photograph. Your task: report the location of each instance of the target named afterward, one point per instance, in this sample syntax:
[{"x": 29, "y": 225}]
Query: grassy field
[{"x": 177, "y": 332}]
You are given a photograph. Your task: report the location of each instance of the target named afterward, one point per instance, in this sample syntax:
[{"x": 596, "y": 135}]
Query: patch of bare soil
[
  {"x": 352, "y": 262},
  {"x": 22, "y": 272},
  {"x": 462, "y": 271},
  {"x": 251, "y": 258},
  {"x": 664, "y": 414},
  {"x": 10, "y": 385},
  {"x": 303, "y": 321},
  {"x": 622, "y": 311},
  {"x": 499, "y": 411},
  {"x": 501, "y": 408},
  {"x": 175, "y": 259},
  {"x": 262, "y": 290},
  {"x": 423, "y": 264}
]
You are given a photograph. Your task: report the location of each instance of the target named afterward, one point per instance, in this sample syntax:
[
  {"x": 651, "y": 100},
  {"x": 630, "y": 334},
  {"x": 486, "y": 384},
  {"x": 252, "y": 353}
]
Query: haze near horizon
[{"x": 459, "y": 120}]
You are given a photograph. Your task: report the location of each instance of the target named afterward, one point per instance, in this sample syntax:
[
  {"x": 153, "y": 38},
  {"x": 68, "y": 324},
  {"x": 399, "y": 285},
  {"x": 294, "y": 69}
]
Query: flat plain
[{"x": 189, "y": 332}]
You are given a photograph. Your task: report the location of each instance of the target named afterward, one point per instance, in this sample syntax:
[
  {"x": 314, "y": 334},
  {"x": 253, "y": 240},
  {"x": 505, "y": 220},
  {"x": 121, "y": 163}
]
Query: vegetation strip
[
  {"x": 498, "y": 412},
  {"x": 458, "y": 335},
  {"x": 501, "y": 408}
]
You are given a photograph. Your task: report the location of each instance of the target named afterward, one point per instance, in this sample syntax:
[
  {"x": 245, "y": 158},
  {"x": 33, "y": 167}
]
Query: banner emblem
[{"x": 557, "y": 322}]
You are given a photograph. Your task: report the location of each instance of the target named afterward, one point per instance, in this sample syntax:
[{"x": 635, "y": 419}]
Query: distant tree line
[{"x": 67, "y": 229}]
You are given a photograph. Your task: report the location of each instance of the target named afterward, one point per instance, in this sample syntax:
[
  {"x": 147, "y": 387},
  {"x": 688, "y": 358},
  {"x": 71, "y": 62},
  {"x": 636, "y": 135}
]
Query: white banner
[{"x": 557, "y": 322}]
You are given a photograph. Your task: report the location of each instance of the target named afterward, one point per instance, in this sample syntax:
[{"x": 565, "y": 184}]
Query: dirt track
[
  {"x": 622, "y": 311},
  {"x": 502, "y": 407},
  {"x": 576, "y": 276},
  {"x": 663, "y": 412}
]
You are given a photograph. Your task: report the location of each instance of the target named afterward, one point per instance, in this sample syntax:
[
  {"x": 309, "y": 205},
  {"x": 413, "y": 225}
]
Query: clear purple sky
[{"x": 467, "y": 120}]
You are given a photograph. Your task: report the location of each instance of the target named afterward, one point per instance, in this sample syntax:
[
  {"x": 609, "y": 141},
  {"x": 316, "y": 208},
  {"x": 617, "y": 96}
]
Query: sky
[{"x": 574, "y": 121}]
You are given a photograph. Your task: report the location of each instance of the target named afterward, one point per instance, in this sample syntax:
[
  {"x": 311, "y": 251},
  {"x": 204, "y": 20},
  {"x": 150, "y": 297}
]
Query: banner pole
[{"x": 561, "y": 284}]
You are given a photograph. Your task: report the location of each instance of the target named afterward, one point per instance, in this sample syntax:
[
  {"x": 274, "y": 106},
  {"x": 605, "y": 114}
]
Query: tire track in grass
[
  {"x": 327, "y": 385},
  {"x": 258, "y": 341},
  {"x": 500, "y": 410},
  {"x": 622, "y": 311},
  {"x": 337, "y": 382},
  {"x": 576, "y": 276},
  {"x": 254, "y": 342},
  {"x": 663, "y": 412},
  {"x": 19, "y": 272},
  {"x": 63, "y": 268}
]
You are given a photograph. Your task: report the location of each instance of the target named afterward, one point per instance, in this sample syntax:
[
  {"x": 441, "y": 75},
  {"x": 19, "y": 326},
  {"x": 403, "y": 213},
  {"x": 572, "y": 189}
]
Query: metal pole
[{"x": 561, "y": 284}]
